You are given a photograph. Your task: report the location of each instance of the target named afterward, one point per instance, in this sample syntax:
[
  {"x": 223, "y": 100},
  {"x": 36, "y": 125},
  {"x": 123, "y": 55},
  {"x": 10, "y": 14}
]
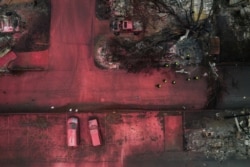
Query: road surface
[{"x": 71, "y": 78}]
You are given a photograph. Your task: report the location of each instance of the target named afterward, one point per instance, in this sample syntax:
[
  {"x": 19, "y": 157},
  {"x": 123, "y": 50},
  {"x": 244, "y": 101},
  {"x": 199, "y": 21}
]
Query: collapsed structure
[
  {"x": 9, "y": 25},
  {"x": 162, "y": 26},
  {"x": 221, "y": 137}
]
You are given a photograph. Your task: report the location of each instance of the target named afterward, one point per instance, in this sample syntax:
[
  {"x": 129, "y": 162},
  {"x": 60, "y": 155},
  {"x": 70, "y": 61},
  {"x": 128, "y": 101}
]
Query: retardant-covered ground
[
  {"x": 27, "y": 139},
  {"x": 71, "y": 80},
  {"x": 129, "y": 139},
  {"x": 71, "y": 77}
]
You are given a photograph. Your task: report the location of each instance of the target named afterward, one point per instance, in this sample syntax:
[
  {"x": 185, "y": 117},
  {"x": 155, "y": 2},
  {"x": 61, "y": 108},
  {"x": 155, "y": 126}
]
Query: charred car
[
  {"x": 9, "y": 22},
  {"x": 94, "y": 132},
  {"x": 118, "y": 26},
  {"x": 73, "y": 134}
]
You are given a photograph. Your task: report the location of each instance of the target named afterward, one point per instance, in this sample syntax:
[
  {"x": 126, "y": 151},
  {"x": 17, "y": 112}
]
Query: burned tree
[
  {"x": 151, "y": 11},
  {"x": 143, "y": 55},
  {"x": 171, "y": 36},
  {"x": 103, "y": 11}
]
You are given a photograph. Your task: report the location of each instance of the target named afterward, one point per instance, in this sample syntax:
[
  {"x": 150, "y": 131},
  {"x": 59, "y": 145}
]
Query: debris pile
[
  {"x": 221, "y": 138},
  {"x": 239, "y": 18}
]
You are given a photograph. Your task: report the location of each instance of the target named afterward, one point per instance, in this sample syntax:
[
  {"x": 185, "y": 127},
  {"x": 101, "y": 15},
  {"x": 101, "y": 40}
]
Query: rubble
[
  {"x": 214, "y": 69},
  {"x": 9, "y": 22},
  {"x": 7, "y": 57},
  {"x": 9, "y": 25},
  {"x": 221, "y": 139},
  {"x": 121, "y": 8},
  {"x": 161, "y": 24},
  {"x": 238, "y": 18},
  {"x": 27, "y": 23}
]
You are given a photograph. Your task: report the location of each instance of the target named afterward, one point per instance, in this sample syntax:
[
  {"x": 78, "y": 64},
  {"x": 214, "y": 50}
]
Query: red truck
[
  {"x": 95, "y": 132},
  {"x": 73, "y": 133}
]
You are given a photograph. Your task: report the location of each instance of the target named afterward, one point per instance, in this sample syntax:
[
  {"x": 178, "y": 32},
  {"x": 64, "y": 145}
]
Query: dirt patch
[
  {"x": 40, "y": 122},
  {"x": 114, "y": 118}
]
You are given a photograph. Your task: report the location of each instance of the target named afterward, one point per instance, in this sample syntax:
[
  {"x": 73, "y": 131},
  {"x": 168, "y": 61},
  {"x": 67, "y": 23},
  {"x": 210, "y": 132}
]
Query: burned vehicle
[
  {"x": 95, "y": 132},
  {"x": 73, "y": 132},
  {"x": 9, "y": 22},
  {"x": 119, "y": 25},
  {"x": 9, "y": 25}
]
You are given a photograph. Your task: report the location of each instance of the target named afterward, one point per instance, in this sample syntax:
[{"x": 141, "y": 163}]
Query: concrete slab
[{"x": 173, "y": 133}]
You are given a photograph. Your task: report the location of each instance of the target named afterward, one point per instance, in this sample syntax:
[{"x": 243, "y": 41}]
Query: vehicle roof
[
  {"x": 73, "y": 119},
  {"x": 93, "y": 122}
]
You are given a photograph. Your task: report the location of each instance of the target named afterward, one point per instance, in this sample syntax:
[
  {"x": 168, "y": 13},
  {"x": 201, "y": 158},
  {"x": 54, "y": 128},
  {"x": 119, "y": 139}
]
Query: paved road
[{"x": 72, "y": 78}]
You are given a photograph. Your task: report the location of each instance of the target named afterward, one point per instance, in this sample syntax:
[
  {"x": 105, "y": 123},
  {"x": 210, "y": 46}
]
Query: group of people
[{"x": 174, "y": 82}]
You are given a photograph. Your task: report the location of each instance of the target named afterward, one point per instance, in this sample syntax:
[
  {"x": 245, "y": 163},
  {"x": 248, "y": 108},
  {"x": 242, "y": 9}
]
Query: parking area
[
  {"x": 129, "y": 139},
  {"x": 32, "y": 138}
]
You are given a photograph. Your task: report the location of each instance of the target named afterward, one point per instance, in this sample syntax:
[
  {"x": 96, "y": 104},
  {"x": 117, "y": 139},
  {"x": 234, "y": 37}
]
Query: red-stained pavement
[
  {"x": 31, "y": 61},
  {"x": 129, "y": 140},
  {"x": 72, "y": 81},
  {"x": 71, "y": 78},
  {"x": 31, "y": 139},
  {"x": 173, "y": 133}
]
